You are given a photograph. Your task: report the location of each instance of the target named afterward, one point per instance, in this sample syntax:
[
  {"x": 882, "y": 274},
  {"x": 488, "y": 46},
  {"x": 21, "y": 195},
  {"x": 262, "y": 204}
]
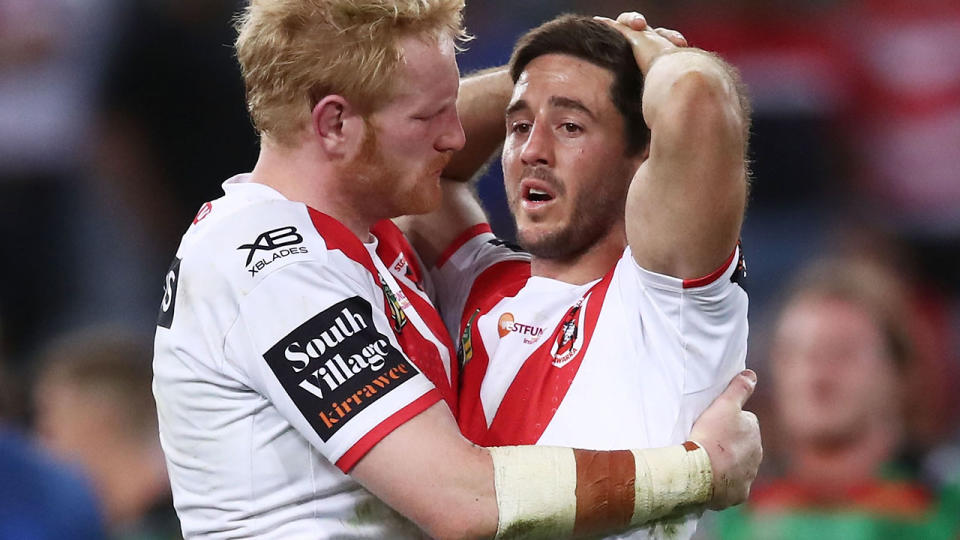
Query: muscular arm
[
  {"x": 481, "y": 103},
  {"x": 427, "y": 471},
  {"x": 686, "y": 203},
  {"x": 452, "y": 489}
]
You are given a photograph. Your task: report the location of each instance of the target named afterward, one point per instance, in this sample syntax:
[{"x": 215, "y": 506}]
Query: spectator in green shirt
[{"x": 839, "y": 359}]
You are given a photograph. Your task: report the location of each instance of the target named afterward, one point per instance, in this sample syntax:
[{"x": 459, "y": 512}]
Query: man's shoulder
[{"x": 246, "y": 241}]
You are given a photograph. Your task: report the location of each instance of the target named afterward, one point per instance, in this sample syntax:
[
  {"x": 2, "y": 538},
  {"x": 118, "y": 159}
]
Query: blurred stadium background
[{"x": 119, "y": 118}]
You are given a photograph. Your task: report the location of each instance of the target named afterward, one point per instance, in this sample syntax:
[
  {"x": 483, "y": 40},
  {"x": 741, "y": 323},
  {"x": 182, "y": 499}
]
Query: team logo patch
[
  {"x": 465, "y": 348},
  {"x": 397, "y": 317},
  {"x": 272, "y": 241},
  {"x": 169, "y": 301},
  {"x": 569, "y": 339},
  {"x": 507, "y": 324},
  {"x": 337, "y": 364}
]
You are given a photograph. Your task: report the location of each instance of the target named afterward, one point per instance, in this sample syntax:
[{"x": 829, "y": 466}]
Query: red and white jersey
[
  {"x": 626, "y": 361},
  {"x": 286, "y": 348}
]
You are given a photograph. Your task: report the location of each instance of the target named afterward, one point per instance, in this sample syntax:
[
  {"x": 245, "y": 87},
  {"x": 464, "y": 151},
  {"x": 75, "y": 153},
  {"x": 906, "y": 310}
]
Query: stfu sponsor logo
[
  {"x": 273, "y": 241},
  {"x": 336, "y": 364},
  {"x": 507, "y": 324}
]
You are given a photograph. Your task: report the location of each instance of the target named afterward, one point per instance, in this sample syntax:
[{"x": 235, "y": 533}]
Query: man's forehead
[
  {"x": 428, "y": 66},
  {"x": 562, "y": 80}
]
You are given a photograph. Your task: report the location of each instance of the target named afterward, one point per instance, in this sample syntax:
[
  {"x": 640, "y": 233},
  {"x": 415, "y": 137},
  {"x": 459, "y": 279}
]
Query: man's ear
[{"x": 337, "y": 125}]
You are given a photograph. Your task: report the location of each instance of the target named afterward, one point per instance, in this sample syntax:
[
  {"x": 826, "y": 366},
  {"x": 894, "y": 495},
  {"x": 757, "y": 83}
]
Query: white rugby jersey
[
  {"x": 626, "y": 361},
  {"x": 286, "y": 348}
]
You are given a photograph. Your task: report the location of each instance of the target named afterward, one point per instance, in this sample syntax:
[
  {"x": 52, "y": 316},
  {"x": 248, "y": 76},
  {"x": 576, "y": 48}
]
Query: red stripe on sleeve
[
  {"x": 375, "y": 435},
  {"x": 464, "y": 237},
  {"x": 712, "y": 276}
]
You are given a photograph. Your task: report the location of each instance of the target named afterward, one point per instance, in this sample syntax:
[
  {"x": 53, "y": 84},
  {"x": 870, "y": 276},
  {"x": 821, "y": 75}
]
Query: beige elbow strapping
[{"x": 548, "y": 492}]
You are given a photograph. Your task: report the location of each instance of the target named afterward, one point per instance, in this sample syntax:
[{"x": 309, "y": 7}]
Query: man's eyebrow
[
  {"x": 517, "y": 106},
  {"x": 555, "y": 101},
  {"x": 570, "y": 103}
]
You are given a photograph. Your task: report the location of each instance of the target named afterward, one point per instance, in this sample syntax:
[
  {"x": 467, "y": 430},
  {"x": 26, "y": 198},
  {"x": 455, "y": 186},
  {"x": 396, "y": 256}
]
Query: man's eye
[
  {"x": 570, "y": 127},
  {"x": 520, "y": 127},
  {"x": 428, "y": 116}
]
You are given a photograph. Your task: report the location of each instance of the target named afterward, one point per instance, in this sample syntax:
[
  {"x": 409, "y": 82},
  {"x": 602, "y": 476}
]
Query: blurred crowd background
[{"x": 120, "y": 118}]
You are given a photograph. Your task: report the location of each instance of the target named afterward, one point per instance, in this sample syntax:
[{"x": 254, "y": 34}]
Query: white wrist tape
[
  {"x": 536, "y": 491},
  {"x": 537, "y": 488},
  {"x": 668, "y": 478}
]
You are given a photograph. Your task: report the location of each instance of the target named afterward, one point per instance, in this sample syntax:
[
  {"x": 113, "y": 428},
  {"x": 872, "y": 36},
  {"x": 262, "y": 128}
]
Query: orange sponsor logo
[{"x": 505, "y": 324}]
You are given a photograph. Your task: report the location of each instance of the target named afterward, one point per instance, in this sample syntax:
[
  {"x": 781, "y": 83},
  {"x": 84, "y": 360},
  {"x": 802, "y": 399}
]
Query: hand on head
[{"x": 647, "y": 42}]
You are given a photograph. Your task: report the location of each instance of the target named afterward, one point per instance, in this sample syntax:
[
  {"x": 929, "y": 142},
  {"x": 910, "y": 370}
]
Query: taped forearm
[{"x": 547, "y": 492}]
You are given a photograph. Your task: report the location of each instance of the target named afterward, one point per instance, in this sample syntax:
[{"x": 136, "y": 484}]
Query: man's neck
[
  {"x": 300, "y": 176},
  {"x": 585, "y": 266}
]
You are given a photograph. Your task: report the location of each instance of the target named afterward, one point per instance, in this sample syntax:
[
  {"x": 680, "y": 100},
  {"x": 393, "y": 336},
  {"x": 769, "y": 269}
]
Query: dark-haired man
[{"x": 626, "y": 319}]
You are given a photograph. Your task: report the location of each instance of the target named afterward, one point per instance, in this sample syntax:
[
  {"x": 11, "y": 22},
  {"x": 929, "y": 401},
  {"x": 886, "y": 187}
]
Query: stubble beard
[
  {"x": 596, "y": 210},
  {"x": 377, "y": 186}
]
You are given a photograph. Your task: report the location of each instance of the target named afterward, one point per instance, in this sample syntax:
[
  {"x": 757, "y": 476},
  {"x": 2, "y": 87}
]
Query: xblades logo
[{"x": 271, "y": 240}]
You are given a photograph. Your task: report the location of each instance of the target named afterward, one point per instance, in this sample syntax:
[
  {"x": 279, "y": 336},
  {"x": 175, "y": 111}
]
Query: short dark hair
[{"x": 599, "y": 44}]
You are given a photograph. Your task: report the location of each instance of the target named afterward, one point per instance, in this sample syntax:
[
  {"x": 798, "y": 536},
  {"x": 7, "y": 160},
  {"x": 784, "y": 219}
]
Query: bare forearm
[
  {"x": 481, "y": 104},
  {"x": 684, "y": 216},
  {"x": 695, "y": 82}
]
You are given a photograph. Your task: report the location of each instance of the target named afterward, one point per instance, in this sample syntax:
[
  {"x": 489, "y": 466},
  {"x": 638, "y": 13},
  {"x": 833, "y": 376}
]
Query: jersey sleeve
[
  {"x": 709, "y": 318},
  {"x": 317, "y": 344},
  {"x": 459, "y": 266}
]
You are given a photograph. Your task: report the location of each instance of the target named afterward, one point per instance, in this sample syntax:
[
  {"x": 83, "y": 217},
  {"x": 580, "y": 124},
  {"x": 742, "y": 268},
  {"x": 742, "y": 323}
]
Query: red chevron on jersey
[
  {"x": 393, "y": 246},
  {"x": 418, "y": 348},
  {"x": 501, "y": 280},
  {"x": 546, "y": 375}
]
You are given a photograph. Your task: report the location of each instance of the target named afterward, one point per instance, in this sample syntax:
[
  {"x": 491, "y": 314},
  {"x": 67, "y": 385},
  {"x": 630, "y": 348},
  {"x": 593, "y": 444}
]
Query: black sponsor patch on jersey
[
  {"x": 169, "y": 301},
  {"x": 336, "y": 364},
  {"x": 739, "y": 274}
]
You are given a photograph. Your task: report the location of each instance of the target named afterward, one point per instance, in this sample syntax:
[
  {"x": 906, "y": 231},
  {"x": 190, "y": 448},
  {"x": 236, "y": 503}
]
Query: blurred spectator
[
  {"x": 95, "y": 408},
  {"x": 50, "y": 53},
  {"x": 904, "y": 125},
  {"x": 174, "y": 117},
  {"x": 40, "y": 499},
  {"x": 856, "y": 112},
  {"x": 840, "y": 363}
]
